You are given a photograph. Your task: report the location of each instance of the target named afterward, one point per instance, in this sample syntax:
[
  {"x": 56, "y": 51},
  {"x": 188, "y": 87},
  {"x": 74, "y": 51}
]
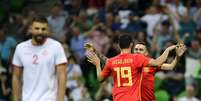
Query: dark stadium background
[{"x": 159, "y": 23}]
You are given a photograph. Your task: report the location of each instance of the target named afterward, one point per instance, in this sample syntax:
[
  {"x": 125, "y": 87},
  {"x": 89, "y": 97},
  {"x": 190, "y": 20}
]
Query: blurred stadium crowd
[{"x": 158, "y": 23}]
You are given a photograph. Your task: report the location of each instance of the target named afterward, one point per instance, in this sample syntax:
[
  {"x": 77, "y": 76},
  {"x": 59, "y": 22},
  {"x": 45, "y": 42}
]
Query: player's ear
[
  {"x": 29, "y": 29},
  {"x": 131, "y": 45}
]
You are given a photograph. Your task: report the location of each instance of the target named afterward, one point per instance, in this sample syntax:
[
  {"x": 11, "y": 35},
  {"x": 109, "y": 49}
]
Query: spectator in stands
[
  {"x": 83, "y": 22},
  {"x": 5, "y": 86},
  {"x": 7, "y": 45},
  {"x": 104, "y": 92},
  {"x": 161, "y": 36},
  {"x": 151, "y": 18},
  {"x": 174, "y": 81},
  {"x": 56, "y": 21},
  {"x": 190, "y": 91},
  {"x": 196, "y": 11},
  {"x": 19, "y": 26},
  {"x": 198, "y": 35},
  {"x": 187, "y": 25},
  {"x": 177, "y": 7},
  {"x": 135, "y": 25},
  {"x": 77, "y": 43},
  {"x": 100, "y": 32},
  {"x": 194, "y": 57},
  {"x": 75, "y": 85},
  {"x": 195, "y": 50},
  {"x": 74, "y": 73}
]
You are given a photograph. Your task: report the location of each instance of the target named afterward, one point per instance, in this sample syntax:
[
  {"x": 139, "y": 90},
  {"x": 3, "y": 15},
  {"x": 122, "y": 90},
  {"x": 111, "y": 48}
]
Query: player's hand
[
  {"x": 89, "y": 46},
  {"x": 180, "y": 50},
  {"x": 93, "y": 58},
  {"x": 170, "y": 48}
]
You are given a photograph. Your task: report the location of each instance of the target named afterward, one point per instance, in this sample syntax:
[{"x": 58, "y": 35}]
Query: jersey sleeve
[
  {"x": 141, "y": 60},
  {"x": 16, "y": 58},
  {"x": 106, "y": 70},
  {"x": 60, "y": 57}
]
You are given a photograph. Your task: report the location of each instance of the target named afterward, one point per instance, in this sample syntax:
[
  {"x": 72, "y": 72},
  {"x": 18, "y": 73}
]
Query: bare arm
[
  {"x": 170, "y": 66},
  {"x": 16, "y": 83},
  {"x": 98, "y": 72},
  {"x": 179, "y": 52},
  {"x": 93, "y": 58},
  {"x": 5, "y": 90},
  {"x": 160, "y": 60},
  {"x": 61, "y": 73}
]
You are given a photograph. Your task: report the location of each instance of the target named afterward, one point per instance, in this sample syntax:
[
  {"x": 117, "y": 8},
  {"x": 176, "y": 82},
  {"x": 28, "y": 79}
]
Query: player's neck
[
  {"x": 36, "y": 43},
  {"x": 124, "y": 51},
  {"x": 190, "y": 96}
]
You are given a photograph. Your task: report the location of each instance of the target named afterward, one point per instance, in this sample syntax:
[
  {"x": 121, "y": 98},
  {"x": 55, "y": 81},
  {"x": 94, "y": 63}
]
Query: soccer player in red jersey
[
  {"x": 126, "y": 70},
  {"x": 147, "y": 76}
]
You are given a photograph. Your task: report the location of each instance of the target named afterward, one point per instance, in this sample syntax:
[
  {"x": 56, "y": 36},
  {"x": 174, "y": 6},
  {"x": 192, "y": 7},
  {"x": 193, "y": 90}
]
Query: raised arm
[
  {"x": 179, "y": 52},
  {"x": 93, "y": 58},
  {"x": 89, "y": 47},
  {"x": 160, "y": 60},
  {"x": 170, "y": 66}
]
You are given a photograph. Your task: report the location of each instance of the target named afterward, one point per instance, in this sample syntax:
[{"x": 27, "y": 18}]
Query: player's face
[
  {"x": 39, "y": 31},
  {"x": 141, "y": 49}
]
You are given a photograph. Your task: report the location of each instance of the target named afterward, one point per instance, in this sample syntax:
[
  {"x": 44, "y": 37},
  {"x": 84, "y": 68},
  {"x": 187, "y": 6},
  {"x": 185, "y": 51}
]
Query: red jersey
[
  {"x": 147, "y": 83},
  {"x": 126, "y": 72}
]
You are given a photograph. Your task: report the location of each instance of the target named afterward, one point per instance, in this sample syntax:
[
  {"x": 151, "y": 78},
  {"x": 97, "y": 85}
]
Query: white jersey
[
  {"x": 188, "y": 99},
  {"x": 39, "y": 63}
]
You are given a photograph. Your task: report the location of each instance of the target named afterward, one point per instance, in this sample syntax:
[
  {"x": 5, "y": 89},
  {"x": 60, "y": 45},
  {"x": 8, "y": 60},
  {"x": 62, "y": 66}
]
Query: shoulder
[
  {"x": 24, "y": 44},
  {"x": 182, "y": 99},
  {"x": 195, "y": 99},
  {"x": 53, "y": 42},
  {"x": 138, "y": 55},
  {"x": 113, "y": 58},
  {"x": 109, "y": 60}
]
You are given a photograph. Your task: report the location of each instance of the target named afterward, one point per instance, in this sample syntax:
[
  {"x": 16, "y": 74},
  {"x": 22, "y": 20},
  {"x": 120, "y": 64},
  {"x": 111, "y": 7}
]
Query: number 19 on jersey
[{"x": 123, "y": 73}]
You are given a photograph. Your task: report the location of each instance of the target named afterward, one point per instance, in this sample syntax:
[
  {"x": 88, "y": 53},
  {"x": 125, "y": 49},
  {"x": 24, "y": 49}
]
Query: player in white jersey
[{"x": 39, "y": 66}]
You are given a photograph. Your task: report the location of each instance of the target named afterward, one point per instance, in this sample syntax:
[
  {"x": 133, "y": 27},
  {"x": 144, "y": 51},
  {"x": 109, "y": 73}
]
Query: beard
[{"x": 40, "y": 38}]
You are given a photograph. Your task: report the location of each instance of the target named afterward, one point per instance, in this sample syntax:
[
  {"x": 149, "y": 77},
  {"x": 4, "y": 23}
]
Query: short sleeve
[
  {"x": 16, "y": 58},
  {"x": 60, "y": 57},
  {"x": 141, "y": 60},
  {"x": 106, "y": 70}
]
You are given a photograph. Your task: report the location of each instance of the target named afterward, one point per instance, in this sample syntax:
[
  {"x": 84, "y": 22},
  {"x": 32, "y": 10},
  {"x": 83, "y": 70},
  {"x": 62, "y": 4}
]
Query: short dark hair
[
  {"x": 57, "y": 4},
  {"x": 41, "y": 19},
  {"x": 143, "y": 43},
  {"x": 125, "y": 41}
]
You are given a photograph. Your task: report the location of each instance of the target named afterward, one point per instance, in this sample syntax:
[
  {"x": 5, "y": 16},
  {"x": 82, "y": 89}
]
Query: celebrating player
[
  {"x": 126, "y": 70},
  {"x": 147, "y": 76},
  {"x": 39, "y": 66}
]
